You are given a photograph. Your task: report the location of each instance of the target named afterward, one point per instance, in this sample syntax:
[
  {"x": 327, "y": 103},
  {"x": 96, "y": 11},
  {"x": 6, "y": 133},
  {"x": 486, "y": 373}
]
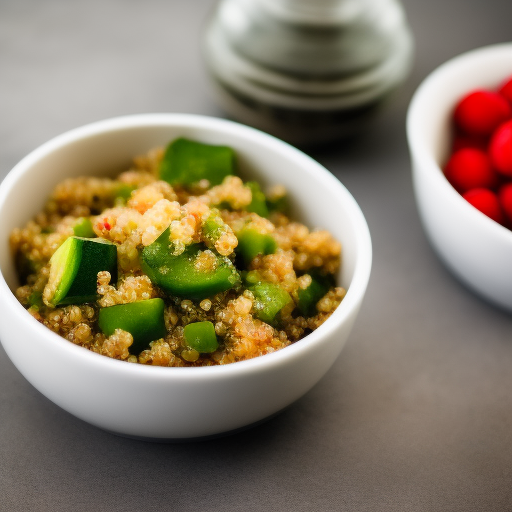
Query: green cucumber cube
[
  {"x": 270, "y": 300},
  {"x": 251, "y": 243},
  {"x": 144, "y": 320},
  {"x": 74, "y": 270},
  {"x": 308, "y": 297},
  {"x": 183, "y": 275},
  {"x": 201, "y": 336},
  {"x": 83, "y": 228},
  {"x": 187, "y": 162},
  {"x": 259, "y": 202}
]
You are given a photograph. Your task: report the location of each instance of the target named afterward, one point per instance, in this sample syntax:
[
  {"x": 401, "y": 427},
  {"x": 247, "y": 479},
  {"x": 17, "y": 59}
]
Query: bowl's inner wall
[{"x": 315, "y": 200}]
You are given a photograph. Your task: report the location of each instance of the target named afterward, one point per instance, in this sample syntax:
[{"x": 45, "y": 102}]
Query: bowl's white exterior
[
  {"x": 175, "y": 403},
  {"x": 476, "y": 249}
]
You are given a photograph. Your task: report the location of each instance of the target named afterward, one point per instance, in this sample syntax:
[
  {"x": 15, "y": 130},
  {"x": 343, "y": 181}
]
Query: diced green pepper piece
[
  {"x": 74, "y": 270},
  {"x": 185, "y": 275},
  {"x": 123, "y": 193},
  {"x": 83, "y": 228},
  {"x": 251, "y": 243},
  {"x": 279, "y": 203},
  {"x": 251, "y": 277},
  {"x": 258, "y": 203},
  {"x": 144, "y": 320},
  {"x": 270, "y": 300},
  {"x": 201, "y": 336},
  {"x": 187, "y": 162},
  {"x": 24, "y": 266},
  {"x": 213, "y": 228},
  {"x": 309, "y": 296},
  {"x": 35, "y": 300}
]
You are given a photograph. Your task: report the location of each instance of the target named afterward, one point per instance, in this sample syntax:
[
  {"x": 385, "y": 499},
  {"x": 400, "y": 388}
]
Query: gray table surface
[{"x": 415, "y": 415}]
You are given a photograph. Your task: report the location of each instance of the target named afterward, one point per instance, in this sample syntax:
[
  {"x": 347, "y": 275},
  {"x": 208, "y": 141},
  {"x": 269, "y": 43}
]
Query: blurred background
[{"x": 415, "y": 415}]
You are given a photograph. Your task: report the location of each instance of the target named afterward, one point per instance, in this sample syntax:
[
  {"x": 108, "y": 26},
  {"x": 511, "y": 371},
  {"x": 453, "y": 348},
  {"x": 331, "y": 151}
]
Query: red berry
[
  {"x": 500, "y": 148},
  {"x": 465, "y": 141},
  {"x": 505, "y": 198},
  {"x": 506, "y": 90},
  {"x": 486, "y": 201},
  {"x": 470, "y": 168},
  {"x": 480, "y": 112}
]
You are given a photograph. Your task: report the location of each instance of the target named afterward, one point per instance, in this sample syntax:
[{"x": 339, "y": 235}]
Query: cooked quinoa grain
[{"x": 186, "y": 254}]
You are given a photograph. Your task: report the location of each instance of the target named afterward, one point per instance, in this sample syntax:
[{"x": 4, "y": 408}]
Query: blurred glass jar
[{"x": 307, "y": 71}]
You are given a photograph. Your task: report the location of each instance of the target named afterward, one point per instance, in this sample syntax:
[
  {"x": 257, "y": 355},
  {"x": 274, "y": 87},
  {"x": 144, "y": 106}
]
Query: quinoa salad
[{"x": 175, "y": 262}]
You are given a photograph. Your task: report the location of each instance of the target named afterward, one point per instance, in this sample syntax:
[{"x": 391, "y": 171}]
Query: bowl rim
[
  {"x": 418, "y": 146},
  {"x": 351, "y": 302}
]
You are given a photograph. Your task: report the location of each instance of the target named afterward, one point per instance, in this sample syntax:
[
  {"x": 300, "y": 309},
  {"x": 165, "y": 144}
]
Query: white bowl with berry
[{"x": 459, "y": 129}]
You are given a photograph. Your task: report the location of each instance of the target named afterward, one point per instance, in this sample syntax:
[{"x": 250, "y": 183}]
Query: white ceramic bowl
[
  {"x": 177, "y": 403},
  {"x": 475, "y": 248}
]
